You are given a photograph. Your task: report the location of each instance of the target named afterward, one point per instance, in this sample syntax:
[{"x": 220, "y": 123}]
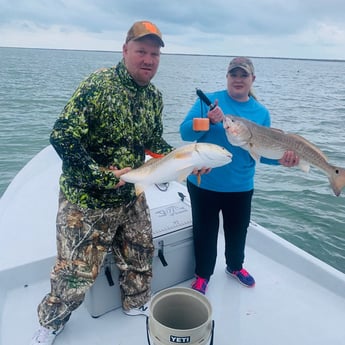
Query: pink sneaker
[
  {"x": 200, "y": 284},
  {"x": 242, "y": 276}
]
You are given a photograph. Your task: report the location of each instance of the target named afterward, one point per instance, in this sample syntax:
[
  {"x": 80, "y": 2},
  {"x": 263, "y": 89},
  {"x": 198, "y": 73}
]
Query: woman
[{"x": 228, "y": 189}]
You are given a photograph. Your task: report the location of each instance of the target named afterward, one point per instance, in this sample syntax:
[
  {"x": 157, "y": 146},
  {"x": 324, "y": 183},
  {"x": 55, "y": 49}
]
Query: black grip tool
[{"x": 204, "y": 98}]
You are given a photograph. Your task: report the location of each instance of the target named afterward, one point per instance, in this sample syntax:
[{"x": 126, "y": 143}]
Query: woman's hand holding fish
[
  {"x": 118, "y": 172},
  {"x": 201, "y": 171},
  {"x": 216, "y": 114},
  {"x": 289, "y": 159}
]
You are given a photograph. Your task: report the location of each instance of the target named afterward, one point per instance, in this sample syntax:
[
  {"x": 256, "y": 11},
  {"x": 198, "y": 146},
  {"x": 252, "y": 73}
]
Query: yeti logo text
[{"x": 179, "y": 340}]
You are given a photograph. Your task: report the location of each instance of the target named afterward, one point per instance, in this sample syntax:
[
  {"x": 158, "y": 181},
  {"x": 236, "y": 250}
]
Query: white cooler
[{"x": 173, "y": 260}]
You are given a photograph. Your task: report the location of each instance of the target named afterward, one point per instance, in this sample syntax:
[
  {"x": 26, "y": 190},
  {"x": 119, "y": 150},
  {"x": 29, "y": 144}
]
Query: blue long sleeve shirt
[{"x": 238, "y": 175}]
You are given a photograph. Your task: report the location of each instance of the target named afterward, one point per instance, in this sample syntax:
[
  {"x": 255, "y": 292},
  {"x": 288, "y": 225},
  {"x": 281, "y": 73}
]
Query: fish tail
[
  {"x": 153, "y": 154},
  {"x": 337, "y": 180}
]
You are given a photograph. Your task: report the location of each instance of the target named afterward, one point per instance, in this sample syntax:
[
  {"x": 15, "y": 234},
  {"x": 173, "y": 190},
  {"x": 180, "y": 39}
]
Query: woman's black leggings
[{"x": 206, "y": 206}]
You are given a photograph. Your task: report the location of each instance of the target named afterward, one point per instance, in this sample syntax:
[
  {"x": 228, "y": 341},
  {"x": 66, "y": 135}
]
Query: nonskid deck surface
[
  {"x": 297, "y": 298},
  {"x": 283, "y": 308}
]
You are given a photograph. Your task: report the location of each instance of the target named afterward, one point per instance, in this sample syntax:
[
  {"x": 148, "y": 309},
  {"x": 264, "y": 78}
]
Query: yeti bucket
[{"x": 180, "y": 316}]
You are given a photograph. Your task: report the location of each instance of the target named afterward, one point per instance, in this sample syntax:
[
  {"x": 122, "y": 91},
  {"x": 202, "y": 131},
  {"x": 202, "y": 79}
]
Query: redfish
[
  {"x": 271, "y": 143},
  {"x": 177, "y": 165}
]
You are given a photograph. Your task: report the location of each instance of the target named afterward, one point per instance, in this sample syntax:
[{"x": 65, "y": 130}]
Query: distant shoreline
[{"x": 185, "y": 54}]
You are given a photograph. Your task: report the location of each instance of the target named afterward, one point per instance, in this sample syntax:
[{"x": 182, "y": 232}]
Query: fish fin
[
  {"x": 183, "y": 175},
  {"x": 254, "y": 155},
  {"x": 139, "y": 188},
  {"x": 153, "y": 154},
  {"x": 304, "y": 166},
  {"x": 277, "y": 130},
  {"x": 251, "y": 149}
]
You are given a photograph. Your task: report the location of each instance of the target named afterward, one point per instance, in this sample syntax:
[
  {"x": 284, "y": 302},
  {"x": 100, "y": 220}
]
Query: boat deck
[
  {"x": 297, "y": 298},
  {"x": 285, "y": 307}
]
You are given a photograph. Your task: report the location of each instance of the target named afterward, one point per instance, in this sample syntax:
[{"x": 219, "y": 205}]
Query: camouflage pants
[{"x": 84, "y": 236}]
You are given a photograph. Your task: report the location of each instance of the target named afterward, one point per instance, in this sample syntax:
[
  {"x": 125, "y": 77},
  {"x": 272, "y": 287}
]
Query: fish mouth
[
  {"x": 230, "y": 128},
  {"x": 233, "y": 131}
]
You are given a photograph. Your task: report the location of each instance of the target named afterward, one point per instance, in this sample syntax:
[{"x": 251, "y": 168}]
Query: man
[{"x": 103, "y": 132}]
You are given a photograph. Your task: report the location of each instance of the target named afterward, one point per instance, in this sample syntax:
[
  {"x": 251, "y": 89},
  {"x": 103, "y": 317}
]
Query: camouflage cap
[
  {"x": 144, "y": 28},
  {"x": 241, "y": 62}
]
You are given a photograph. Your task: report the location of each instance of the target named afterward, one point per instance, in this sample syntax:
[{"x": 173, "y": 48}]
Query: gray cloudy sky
[{"x": 278, "y": 28}]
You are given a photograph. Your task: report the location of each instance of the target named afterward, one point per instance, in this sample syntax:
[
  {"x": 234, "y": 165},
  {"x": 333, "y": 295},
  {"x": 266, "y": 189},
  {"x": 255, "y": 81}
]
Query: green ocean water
[{"x": 304, "y": 96}]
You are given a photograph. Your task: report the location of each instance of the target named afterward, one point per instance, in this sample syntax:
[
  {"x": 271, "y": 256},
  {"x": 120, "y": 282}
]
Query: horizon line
[{"x": 186, "y": 54}]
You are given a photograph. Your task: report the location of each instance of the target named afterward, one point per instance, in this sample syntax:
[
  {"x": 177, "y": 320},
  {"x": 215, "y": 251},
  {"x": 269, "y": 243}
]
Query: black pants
[{"x": 206, "y": 206}]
